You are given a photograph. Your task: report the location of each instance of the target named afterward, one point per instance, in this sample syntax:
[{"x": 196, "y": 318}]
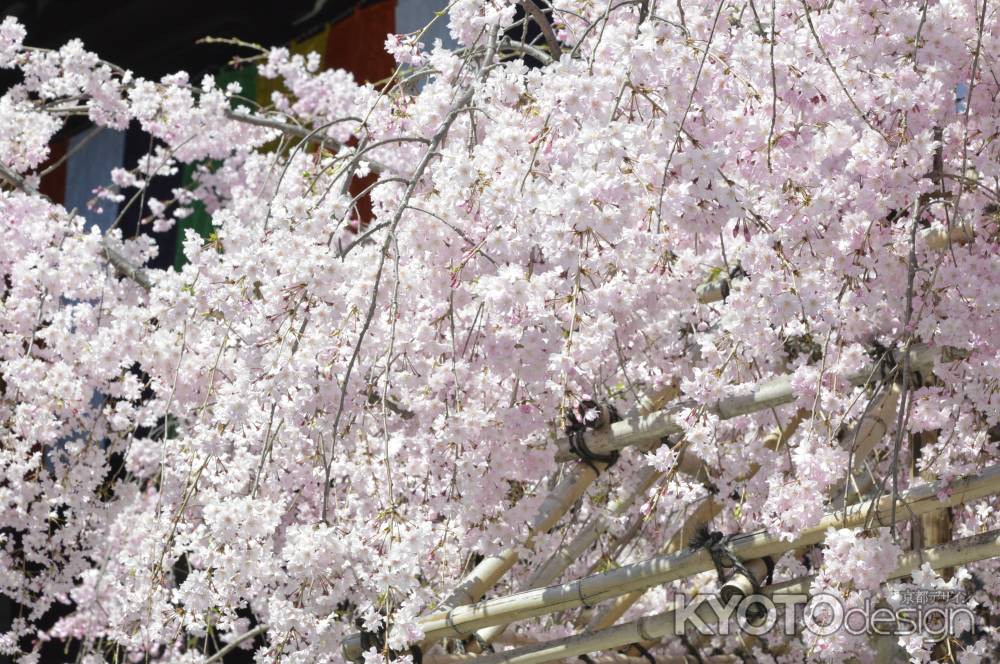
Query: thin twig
[
  {"x": 229, "y": 647},
  {"x": 968, "y": 108},
  {"x": 687, "y": 110},
  {"x": 903, "y": 414},
  {"x": 69, "y": 153},
  {"x": 315, "y": 136},
  {"x": 430, "y": 152},
  {"x": 774, "y": 92},
  {"x": 836, "y": 74}
]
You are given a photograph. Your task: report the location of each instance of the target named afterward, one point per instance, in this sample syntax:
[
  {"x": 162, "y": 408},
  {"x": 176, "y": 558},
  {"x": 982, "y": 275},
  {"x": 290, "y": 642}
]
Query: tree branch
[{"x": 545, "y": 26}]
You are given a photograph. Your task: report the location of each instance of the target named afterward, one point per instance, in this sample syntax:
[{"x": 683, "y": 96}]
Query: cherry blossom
[{"x": 322, "y": 418}]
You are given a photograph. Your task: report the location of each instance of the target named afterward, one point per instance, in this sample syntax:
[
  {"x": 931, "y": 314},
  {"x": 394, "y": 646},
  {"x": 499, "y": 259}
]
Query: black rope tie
[
  {"x": 769, "y": 579},
  {"x": 369, "y": 639},
  {"x": 642, "y": 651},
  {"x": 374, "y": 640},
  {"x": 711, "y": 541},
  {"x": 723, "y": 556},
  {"x": 889, "y": 364},
  {"x": 579, "y": 423},
  {"x": 578, "y": 446}
]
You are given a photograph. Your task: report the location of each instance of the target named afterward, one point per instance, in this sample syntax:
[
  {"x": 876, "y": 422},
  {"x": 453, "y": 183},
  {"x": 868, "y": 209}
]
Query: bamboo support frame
[
  {"x": 566, "y": 555},
  {"x": 606, "y": 658},
  {"x": 870, "y": 429},
  {"x": 958, "y": 552},
  {"x": 706, "y": 510},
  {"x": 461, "y": 621},
  {"x": 567, "y": 492},
  {"x": 642, "y": 430},
  {"x": 864, "y": 436},
  {"x": 769, "y": 394}
]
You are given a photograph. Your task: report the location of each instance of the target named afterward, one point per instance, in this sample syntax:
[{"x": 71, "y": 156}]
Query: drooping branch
[
  {"x": 123, "y": 265},
  {"x": 232, "y": 645}
]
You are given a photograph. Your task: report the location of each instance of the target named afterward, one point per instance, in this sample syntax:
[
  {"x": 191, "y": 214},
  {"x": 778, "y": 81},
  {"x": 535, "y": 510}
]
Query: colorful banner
[{"x": 357, "y": 41}]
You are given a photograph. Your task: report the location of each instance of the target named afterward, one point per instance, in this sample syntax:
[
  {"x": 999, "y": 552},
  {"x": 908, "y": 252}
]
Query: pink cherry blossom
[{"x": 322, "y": 418}]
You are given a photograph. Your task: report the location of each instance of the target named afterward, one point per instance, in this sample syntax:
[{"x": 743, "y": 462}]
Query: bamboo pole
[
  {"x": 463, "y": 620},
  {"x": 567, "y": 492},
  {"x": 741, "y": 586},
  {"x": 707, "y": 510},
  {"x": 936, "y": 528},
  {"x": 940, "y": 238},
  {"x": 930, "y": 529},
  {"x": 566, "y": 555},
  {"x": 485, "y": 575},
  {"x": 958, "y": 552},
  {"x": 712, "y": 291},
  {"x": 606, "y": 658},
  {"x": 616, "y": 543},
  {"x": 872, "y": 427},
  {"x": 867, "y": 433},
  {"x": 778, "y": 391}
]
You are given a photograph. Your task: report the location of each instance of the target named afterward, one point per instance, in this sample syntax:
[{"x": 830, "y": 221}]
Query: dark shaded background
[{"x": 154, "y": 37}]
